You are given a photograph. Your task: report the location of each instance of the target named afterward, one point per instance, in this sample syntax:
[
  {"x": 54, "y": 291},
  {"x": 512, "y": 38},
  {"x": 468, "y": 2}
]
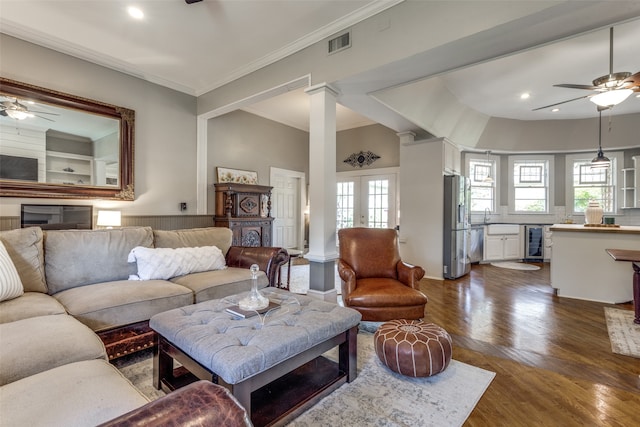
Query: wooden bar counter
[
  {"x": 581, "y": 268},
  {"x": 634, "y": 258}
]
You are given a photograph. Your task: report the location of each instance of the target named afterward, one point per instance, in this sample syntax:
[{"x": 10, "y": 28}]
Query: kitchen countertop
[{"x": 580, "y": 228}]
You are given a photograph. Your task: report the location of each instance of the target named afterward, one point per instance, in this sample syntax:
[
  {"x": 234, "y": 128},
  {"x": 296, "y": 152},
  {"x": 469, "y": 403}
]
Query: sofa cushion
[
  {"x": 30, "y": 304},
  {"x": 83, "y": 393},
  {"x": 10, "y": 283},
  {"x": 26, "y": 251},
  {"x": 40, "y": 343},
  {"x": 82, "y": 257},
  {"x": 220, "y": 237},
  {"x": 103, "y": 306},
  {"x": 209, "y": 285},
  {"x": 165, "y": 263}
]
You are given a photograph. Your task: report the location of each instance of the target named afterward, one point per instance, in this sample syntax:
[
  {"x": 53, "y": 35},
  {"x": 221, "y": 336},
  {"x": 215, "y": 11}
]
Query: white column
[{"x": 322, "y": 192}]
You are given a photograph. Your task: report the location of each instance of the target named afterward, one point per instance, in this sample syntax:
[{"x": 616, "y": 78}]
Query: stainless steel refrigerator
[{"x": 457, "y": 230}]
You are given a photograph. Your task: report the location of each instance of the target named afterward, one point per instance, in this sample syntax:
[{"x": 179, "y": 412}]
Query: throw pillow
[
  {"x": 165, "y": 263},
  {"x": 25, "y": 247},
  {"x": 10, "y": 284}
]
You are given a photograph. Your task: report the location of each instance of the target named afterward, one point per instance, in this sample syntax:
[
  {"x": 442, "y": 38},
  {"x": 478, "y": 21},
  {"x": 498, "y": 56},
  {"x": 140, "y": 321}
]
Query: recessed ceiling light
[
  {"x": 525, "y": 95},
  {"x": 134, "y": 12},
  {"x": 555, "y": 110}
]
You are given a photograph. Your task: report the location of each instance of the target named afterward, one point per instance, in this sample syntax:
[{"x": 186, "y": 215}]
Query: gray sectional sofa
[{"x": 79, "y": 309}]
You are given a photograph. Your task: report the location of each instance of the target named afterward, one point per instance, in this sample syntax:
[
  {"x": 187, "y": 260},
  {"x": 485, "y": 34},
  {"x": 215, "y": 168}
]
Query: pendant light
[
  {"x": 488, "y": 178},
  {"x": 600, "y": 161}
]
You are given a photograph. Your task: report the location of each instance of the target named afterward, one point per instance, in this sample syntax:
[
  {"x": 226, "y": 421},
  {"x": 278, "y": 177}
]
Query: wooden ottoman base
[{"x": 413, "y": 347}]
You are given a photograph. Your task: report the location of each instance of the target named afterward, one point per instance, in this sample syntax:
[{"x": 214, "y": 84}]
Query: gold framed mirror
[{"x": 57, "y": 145}]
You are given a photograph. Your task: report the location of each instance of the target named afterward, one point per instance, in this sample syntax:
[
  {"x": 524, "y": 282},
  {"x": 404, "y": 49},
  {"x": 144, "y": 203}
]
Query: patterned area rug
[
  {"x": 623, "y": 333},
  {"x": 515, "y": 265},
  {"x": 378, "y": 396}
]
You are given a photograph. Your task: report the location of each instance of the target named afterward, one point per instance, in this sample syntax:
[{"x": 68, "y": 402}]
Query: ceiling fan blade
[
  {"x": 44, "y": 112},
  {"x": 45, "y": 118},
  {"x": 572, "y": 86},
  {"x": 558, "y": 103},
  {"x": 632, "y": 82}
]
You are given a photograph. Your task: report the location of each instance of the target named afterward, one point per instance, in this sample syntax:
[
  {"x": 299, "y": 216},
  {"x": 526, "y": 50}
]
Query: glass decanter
[{"x": 255, "y": 300}]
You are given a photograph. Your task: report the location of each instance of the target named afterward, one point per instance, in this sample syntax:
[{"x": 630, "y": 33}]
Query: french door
[{"x": 366, "y": 201}]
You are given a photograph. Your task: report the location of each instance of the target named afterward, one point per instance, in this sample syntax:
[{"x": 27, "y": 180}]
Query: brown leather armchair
[{"x": 374, "y": 279}]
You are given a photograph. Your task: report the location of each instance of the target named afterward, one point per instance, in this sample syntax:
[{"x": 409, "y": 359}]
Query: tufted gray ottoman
[
  {"x": 246, "y": 355},
  {"x": 413, "y": 347}
]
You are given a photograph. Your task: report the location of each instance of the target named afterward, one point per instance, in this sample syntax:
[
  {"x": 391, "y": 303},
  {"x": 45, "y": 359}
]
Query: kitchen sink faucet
[{"x": 487, "y": 215}]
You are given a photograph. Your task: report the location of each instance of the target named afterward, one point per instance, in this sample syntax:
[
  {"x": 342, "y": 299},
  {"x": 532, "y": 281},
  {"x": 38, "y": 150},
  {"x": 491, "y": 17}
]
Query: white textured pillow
[
  {"x": 165, "y": 263},
  {"x": 10, "y": 283}
]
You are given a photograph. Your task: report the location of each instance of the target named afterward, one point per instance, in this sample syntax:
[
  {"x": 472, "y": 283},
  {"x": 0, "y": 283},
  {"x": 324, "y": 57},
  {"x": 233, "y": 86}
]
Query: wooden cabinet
[{"x": 246, "y": 210}]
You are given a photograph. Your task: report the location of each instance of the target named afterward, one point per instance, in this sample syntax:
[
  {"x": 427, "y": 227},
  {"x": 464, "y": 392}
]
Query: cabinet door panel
[
  {"x": 493, "y": 247},
  {"x": 512, "y": 246}
]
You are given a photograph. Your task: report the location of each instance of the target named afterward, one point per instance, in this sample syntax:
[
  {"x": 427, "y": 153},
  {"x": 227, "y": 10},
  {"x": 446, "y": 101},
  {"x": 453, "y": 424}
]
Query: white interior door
[
  {"x": 286, "y": 197},
  {"x": 367, "y": 201}
]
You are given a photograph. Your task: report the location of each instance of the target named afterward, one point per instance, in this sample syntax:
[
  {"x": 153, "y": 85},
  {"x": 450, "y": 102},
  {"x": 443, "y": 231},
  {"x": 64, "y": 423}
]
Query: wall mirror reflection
[{"x": 56, "y": 145}]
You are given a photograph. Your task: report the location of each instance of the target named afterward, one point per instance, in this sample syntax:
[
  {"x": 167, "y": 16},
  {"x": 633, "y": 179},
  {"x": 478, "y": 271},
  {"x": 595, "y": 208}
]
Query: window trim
[
  {"x": 550, "y": 160},
  {"x": 496, "y": 177},
  {"x": 616, "y": 176}
]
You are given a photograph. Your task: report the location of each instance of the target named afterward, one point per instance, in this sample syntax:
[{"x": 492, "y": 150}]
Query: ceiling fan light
[
  {"x": 611, "y": 97},
  {"x": 17, "y": 114}
]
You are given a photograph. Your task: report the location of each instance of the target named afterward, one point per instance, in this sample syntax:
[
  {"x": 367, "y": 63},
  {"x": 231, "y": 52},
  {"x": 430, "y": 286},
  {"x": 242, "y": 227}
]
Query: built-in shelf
[
  {"x": 630, "y": 186},
  {"x": 69, "y": 168}
]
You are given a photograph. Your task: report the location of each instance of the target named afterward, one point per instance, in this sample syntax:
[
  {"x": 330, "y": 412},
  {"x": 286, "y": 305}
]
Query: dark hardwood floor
[{"x": 551, "y": 355}]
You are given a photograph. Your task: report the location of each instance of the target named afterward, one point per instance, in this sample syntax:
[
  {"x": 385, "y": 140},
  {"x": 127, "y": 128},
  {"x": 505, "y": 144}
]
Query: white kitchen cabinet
[
  {"x": 451, "y": 154},
  {"x": 498, "y": 247}
]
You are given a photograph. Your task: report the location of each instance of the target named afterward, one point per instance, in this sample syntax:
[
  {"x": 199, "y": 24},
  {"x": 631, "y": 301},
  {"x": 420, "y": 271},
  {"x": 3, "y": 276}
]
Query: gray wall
[
  {"x": 165, "y": 126},
  {"x": 375, "y": 138},
  {"x": 241, "y": 140}
]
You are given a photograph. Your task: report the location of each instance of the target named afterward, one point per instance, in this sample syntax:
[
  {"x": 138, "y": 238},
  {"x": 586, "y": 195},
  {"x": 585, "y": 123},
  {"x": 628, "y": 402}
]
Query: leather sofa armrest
[
  {"x": 202, "y": 403},
  {"x": 409, "y": 274},
  {"x": 269, "y": 259}
]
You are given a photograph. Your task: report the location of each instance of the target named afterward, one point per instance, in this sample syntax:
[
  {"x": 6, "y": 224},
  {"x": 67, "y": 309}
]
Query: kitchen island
[{"x": 581, "y": 268}]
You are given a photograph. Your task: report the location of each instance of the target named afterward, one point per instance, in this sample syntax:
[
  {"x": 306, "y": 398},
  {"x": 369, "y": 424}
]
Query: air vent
[{"x": 343, "y": 41}]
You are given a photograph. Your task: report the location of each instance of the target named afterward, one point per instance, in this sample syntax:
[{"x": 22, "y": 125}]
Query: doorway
[
  {"x": 367, "y": 199},
  {"x": 288, "y": 201}
]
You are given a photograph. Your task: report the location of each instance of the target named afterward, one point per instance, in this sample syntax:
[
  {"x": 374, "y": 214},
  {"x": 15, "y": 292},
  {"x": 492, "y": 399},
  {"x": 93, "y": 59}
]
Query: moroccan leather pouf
[{"x": 413, "y": 347}]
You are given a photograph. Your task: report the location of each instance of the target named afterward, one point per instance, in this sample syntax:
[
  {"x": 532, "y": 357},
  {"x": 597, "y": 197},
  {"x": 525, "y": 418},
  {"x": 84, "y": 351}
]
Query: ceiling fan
[
  {"x": 612, "y": 88},
  {"x": 14, "y": 109}
]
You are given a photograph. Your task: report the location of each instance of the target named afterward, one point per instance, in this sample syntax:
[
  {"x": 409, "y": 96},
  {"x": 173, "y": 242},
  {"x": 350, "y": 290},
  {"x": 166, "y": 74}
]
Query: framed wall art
[{"x": 236, "y": 175}]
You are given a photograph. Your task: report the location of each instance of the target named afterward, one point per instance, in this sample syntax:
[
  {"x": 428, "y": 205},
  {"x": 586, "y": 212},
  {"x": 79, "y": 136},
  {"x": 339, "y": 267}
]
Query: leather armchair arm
[
  {"x": 202, "y": 403},
  {"x": 409, "y": 274},
  {"x": 348, "y": 275},
  {"x": 269, "y": 259}
]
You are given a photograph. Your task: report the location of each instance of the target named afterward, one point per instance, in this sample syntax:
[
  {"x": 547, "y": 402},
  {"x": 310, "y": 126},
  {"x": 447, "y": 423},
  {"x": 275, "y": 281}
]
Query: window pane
[
  {"x": 378, "y": 215},
  {"x": 593, "y": 184},
  {"x": 345, "y": 205},
  {"x": 531, "y": 191},
  {"x": 482, "y": 192},
  {"x": 530, "y": 199}
]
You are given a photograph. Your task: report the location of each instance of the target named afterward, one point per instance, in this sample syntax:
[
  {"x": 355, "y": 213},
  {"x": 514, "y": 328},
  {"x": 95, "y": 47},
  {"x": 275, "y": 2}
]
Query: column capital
[
  {"x": 322, "y": 87},
  {"x": 406, "y": 137}
]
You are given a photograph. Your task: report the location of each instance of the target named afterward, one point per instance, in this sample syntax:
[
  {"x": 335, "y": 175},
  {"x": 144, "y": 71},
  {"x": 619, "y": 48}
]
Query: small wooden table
[{"x": 633, "y": 257}]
